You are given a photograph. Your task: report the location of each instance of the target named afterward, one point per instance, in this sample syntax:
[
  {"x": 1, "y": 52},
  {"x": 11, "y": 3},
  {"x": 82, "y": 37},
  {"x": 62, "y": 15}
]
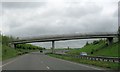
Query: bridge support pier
[
  {"x": 53, "y": 46},
  {"x": 12, "y": 45},
  {"x": 110, "y": 40}
]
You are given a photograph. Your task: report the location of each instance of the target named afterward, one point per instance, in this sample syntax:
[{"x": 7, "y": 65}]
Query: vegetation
[
  {"x": 111, "y": 51},
  {"x": 8, "y": 52},
  {"x": 110, "y": 65},
  {"x": 28, "y": 47},
  {"x": 0, "y": 52},
  {"x": 119, "y": 34},
  {"x": 0, "y": 47},
  {"x": 89, "y": 48},
  {"x": 98, "y": 48}
]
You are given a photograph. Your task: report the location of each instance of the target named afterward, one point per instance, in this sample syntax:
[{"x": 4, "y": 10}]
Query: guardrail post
[
  {"x": 95, "y": 58},
  {"x": 113, "y": 60},
  {"x": 108, "y": 59}
]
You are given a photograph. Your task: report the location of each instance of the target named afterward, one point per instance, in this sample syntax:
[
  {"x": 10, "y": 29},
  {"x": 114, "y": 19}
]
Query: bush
[{"x": 95, "y": 42}]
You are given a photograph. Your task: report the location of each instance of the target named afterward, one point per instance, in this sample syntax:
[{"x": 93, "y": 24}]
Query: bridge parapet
[{"x": 65, "y": 37}]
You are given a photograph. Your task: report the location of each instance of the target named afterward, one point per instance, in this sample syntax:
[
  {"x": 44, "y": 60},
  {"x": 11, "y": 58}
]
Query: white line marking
[
  {"x": 79, "y": 64},
  {"x": 48, "y": 67},
  {"x": 26, "y": 54},
  {"x": 9, "y": 62},
  {"x": 12, "y": 61}
]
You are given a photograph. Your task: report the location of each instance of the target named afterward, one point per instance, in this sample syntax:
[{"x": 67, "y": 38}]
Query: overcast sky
[{"x": 49, "y": 17}]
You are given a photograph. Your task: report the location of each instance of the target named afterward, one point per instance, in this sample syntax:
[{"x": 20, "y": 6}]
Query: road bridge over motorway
[{"x": 53, "y": 38}]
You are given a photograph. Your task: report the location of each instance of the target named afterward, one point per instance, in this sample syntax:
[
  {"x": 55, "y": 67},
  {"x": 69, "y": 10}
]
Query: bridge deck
[{"x": 64, "y": 37}]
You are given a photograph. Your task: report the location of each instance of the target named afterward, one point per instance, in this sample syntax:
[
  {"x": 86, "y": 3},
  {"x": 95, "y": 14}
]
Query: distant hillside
[{"x": 98, "y": 49}]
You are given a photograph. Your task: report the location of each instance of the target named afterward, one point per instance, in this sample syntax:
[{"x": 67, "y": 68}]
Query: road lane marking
[
  {"x": 83, "y": 65},
  {"x": 9, "y": 62},
  {"x": 48, "y": 67},
  {"x": 26, "y": 54},
  {"x": 78, "y": 64},
  {"x": 12, "y": 61}
]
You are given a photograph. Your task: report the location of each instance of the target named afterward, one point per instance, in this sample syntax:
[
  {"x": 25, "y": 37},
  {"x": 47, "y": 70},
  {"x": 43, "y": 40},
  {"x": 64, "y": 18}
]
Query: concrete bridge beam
[
  {"x": 53, "y": 46},
  {"x": 110, "y": 40}
]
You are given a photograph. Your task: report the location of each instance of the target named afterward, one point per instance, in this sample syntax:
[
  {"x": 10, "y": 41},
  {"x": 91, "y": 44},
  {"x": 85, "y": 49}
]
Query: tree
[
  {"x": 119, "y": 34},
  {"x": 92, "y": 51},
  {"x": 5, "y": 40},
  {"x": 95, "y": 42},
  {"x": 87, "y": 43}
]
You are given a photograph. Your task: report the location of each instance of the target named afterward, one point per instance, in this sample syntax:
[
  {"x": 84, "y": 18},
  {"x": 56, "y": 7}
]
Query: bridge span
[{"x": 53, "y": 38}]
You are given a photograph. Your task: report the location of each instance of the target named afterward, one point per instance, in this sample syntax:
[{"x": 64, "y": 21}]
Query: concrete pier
[
  {"x": 53, "y": 46},
  {"x": 110, "y": 40}
]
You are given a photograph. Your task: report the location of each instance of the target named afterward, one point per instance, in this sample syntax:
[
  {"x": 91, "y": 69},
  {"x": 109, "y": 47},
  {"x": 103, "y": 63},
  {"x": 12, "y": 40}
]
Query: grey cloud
[
  {"x": 0, "y": 9},
  {"x": 48, "y": 21},
  {"x": 16, "y": 5},
  {"x": 73, "y": 12},
  {"x": 116, "y": 13},
  {"x": 80, "y": 11},
  {"x": 100, "y": 25},
  {"x": 119, "y": 13}
]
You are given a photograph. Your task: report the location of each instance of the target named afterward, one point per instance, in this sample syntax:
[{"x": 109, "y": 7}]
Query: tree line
[
  {"x": 28, "y": 47},
  {"x": 6, "y": 40}
]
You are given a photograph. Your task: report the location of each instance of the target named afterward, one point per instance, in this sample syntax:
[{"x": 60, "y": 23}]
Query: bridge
[{"x": 53, "y": 38}]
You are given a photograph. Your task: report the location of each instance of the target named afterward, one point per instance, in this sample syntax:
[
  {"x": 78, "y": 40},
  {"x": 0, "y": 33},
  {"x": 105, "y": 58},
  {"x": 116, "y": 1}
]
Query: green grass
[
  {"x": 8, "y": 52},
  {"x": 0, "y": 47},
  {"x": 111, "y": 50},
  {"x": 99, "y": 49},
  {"x": 87, "y": 48},
  {"x": 0, "y": 52},
  {"x": 109, "y": 65}
]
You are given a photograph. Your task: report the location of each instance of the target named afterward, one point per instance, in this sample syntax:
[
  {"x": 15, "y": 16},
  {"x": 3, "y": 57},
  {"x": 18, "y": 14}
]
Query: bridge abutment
[
  {"x": 53, "y": 46},
  {"x": 110, "y": 40},
  {"x": 12, "y": 45}
]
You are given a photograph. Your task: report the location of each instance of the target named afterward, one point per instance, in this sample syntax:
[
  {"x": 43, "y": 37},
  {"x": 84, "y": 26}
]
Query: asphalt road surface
[{"x": 39, "y": 61}]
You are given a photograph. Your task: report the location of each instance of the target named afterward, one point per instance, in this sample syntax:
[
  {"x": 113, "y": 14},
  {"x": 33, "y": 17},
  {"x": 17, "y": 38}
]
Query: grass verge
[
  {"x": 0, "y": 48},
  {"x": 99, "y": 49},
  {"x": 110, "y": 65},
  {"x": 8, "y": 52}
]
